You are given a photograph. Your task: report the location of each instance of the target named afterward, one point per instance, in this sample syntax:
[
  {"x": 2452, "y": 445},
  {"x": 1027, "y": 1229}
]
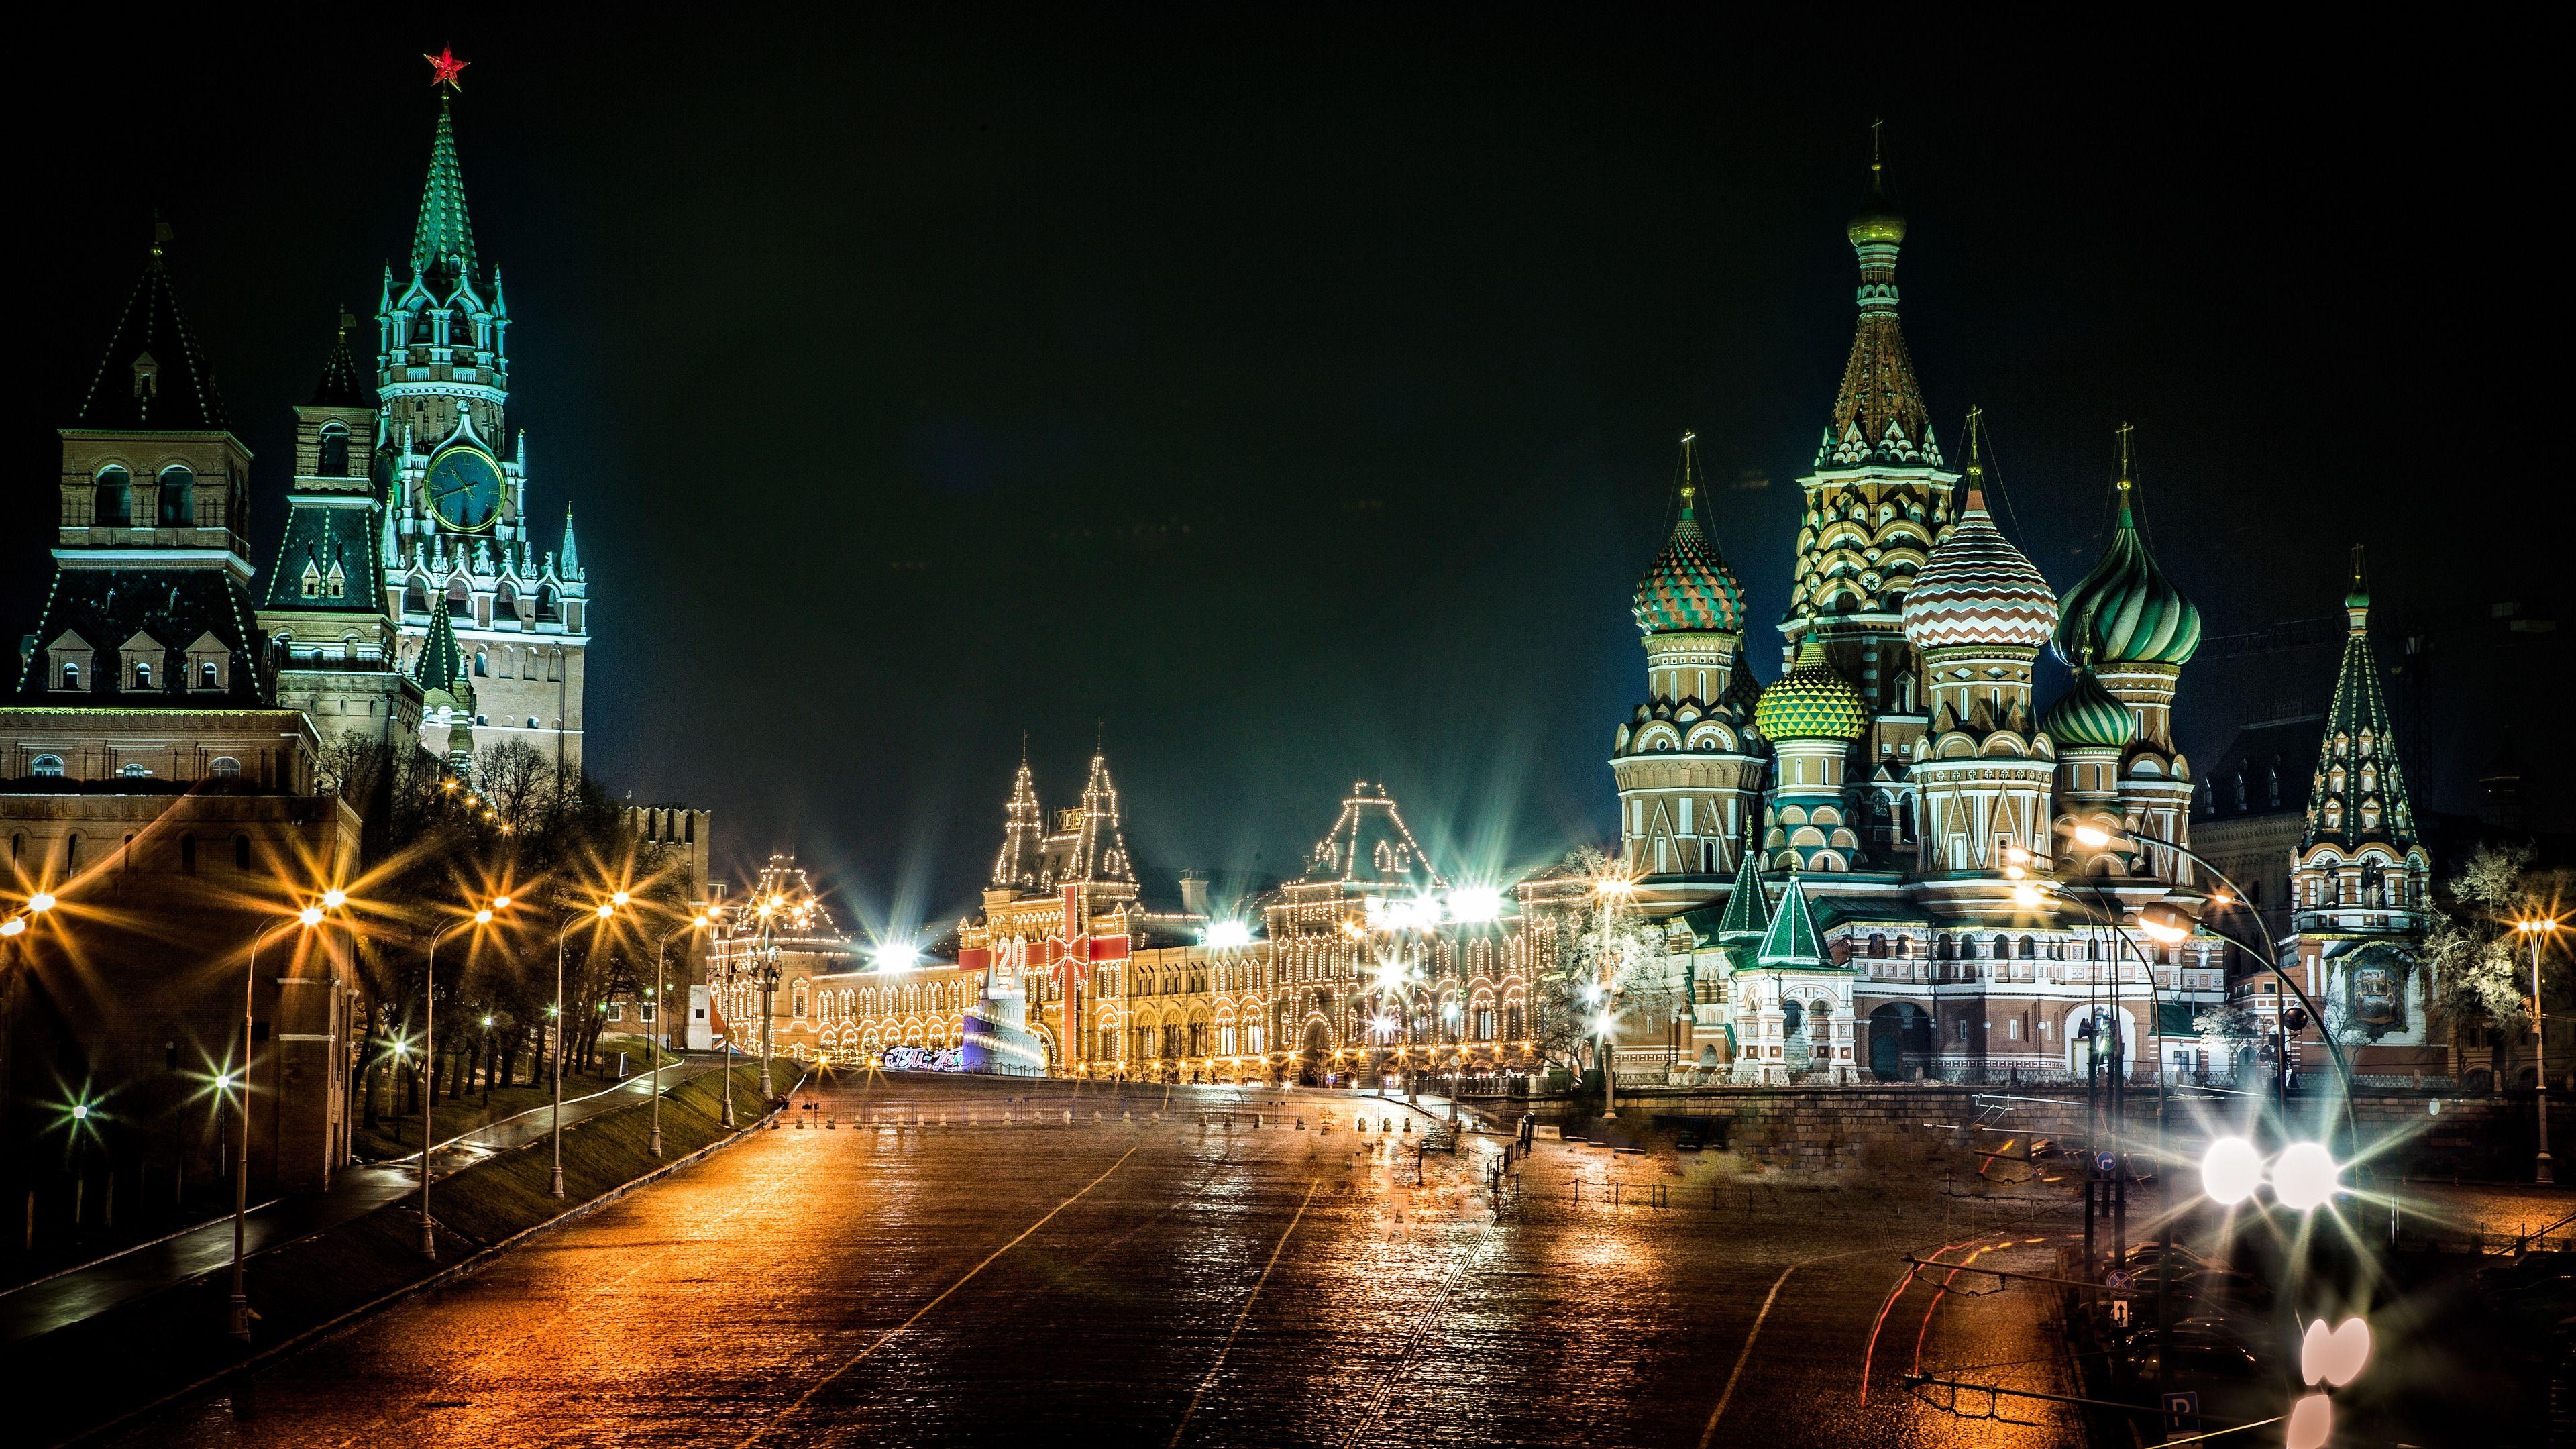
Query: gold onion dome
[
  {"x": 1689, "y": 587},
  {"x": 2087, "y": 717},
  {"x": 1976, "y": 588},
  {"x": 1811, "y": 702},
  {"x": 1878, "y": 220},
  {"x": 2126, "y": 611}
]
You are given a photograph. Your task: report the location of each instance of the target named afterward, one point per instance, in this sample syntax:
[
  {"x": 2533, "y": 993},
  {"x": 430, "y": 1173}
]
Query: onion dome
[
  {"x": 1976, "y": 588},
  {"x": 1878, "y": 220},
  {"x": 2086, "y": 717},
  {"x": 2126, "y": 611},
  {"x": 1689, "y": 588},
  {"x": 1743, "y": 692},
  {"x": 1811, "y": 702}
]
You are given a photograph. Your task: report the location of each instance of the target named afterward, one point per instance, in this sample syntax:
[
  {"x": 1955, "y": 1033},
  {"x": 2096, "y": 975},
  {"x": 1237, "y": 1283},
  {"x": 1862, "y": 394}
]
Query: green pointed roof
[
  {"x": 1748, "y": 911},
  {"x": 444, "y": 237},
  {"x": 2359, "y": 782},
  {"x": 1792, "y": 939},
  {"x": 442, "y": 664}
]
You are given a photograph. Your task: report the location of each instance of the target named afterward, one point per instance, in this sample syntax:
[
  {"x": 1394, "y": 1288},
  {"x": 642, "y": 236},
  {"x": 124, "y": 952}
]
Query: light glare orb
[
  {"x": 1475, "y": 903},
  {"x": 2311, "y": 1423},
  {"x": 2026, "y": 896},
  {"x": 2334, "y": 1355},
  {"x": 483, "y": 918},
  {"x": 2231, "y": 1170},
  {"x": 335, "y": 898},
  {"x": 897, "y": 956},
  {"x": 310, "y": 915},
  {"x": 2305, "y": 1176},
  {"x": 606, "y": 910},
  {"x": 618, "y": 899},
  {"x": 13, "y": 926},
  {"x": 2092, "y": 835},
  {"x": 500, "y": 903},
  {"x": 1604, "y": 1025},
  {"x": 1229, "y": 935}
]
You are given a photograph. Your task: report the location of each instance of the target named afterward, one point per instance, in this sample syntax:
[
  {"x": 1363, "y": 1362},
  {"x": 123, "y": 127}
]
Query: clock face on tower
[{"x": 465, "y": 488}]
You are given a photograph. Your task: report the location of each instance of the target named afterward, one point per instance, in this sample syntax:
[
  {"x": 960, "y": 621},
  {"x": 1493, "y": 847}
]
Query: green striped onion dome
[
  {"x": 1689, "y": 587},
  {"x": 1977, "y": 589},
  {"x": 2126, "y": 611},
  {"x": 1811, "y": 702},
  {"x": 2086, "y": 717}
]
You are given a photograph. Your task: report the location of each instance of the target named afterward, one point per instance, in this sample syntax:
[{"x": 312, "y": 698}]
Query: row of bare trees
[{"x": 438, "y": 846}]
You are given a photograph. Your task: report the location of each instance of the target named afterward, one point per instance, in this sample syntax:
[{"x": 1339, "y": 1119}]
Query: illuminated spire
[
  {"x": 444, "y": 239},
  {"x": 1878, "y": 414}
]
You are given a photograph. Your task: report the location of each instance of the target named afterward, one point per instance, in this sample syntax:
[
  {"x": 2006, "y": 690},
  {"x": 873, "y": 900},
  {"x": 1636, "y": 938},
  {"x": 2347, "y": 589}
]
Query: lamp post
[
  {"x": 604, "y": 911},
  {"x": 429, "y": 1060},
  {"x": 306, "y": 919},
  {"x": 2536, "y": 929},
  {"x": 1612, "y": 889},
  {"x": 661, "y": 956},
  {"x": 2096, "y": 837}
]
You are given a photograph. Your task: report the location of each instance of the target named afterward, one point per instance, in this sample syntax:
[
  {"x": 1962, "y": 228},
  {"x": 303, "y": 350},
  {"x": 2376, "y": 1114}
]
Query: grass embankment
[
  {"x": 397, "y": 1134},
  {"x": 133, "y": 1354}
]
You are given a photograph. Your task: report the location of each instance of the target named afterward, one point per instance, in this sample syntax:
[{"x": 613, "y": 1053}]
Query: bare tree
[
  {"x": 517, "y": 782},
  {"x": 352, "y": 765}
]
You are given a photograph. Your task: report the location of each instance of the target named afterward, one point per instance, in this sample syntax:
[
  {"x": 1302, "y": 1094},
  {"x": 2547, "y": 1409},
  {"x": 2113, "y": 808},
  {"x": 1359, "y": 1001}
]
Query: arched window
[
  {"x": 2003, "y": 948},
  {"x": 71, "y": 850},
  {"x": 178, "y": 497},
  {"x": 482, "y": 664},
  {"x": 415, "y": 598},
  {"x": 335, "y": 452},
  {"x": 224, "y": 767},
  {"x": 188, "y": 854},
  {"x": 2029, "y": 949},
  {"x": 71, "y": 676},
  {"x": 1945, "y": 948},
  {"x": 208, "y": 676},
  {"x": 460, "y": 600},
  {"x": 1878, "y": 948},
  {"x": 112, "y": 499},
  {"x": 546, "y": 608},
  {"x": 47, "y": 767},
  {"x": 241, "y": 852},
  {"x": 142, "y": 676}
]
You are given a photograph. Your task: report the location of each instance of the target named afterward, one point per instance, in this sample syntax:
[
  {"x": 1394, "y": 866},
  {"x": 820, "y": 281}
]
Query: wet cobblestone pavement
[{"x": 965, "y": 1266}]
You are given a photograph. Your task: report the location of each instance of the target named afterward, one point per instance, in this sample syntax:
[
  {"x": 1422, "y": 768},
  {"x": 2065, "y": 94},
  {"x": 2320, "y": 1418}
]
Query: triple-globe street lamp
[{"x": 2537, "y": 928}]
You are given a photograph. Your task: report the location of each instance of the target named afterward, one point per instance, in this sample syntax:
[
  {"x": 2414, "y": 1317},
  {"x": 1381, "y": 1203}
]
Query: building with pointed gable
[{"x": 154, "y": 781}]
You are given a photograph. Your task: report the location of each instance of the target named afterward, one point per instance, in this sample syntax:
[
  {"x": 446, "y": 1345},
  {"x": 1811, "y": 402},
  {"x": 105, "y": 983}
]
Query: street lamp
[
  {"x": 2097, "y": 837},
  {"x": 429, "y": 1058},
  {"x": 306, "y": 919},
  {"x": 661, "y": 1006},
  {"x": 1612, "y": 888},
  {"x": 2536, "y": 929},
  {"x": 602, "y": 913}
]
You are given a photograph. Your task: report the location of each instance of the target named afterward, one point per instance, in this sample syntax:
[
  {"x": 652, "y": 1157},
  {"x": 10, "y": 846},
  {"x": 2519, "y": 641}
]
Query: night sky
[{"x": 1296, "y": 403}]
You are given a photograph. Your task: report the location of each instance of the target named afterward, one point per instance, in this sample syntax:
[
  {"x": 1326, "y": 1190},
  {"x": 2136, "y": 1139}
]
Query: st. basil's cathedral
[{"x": 1894, "y": 860}]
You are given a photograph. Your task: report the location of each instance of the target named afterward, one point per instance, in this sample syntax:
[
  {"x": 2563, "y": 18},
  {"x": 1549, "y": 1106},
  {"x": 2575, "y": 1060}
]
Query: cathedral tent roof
[
  {"x": 1748, "y": 912},
  {"x": 441, "y": 665},
  {"x": 1792, "y": 939},
  {"x": 1878, "y": 416},
  {"x": 2358, "y": 793},
  {"x": 154, "y": 375}
]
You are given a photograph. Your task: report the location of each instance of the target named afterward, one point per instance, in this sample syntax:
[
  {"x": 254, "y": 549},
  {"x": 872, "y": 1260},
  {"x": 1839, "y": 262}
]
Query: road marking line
[
  {"x": 897, "y": 1331},
  {"x": 1184, "y": 1425},
  {"x": 1727, "y": 1394}
]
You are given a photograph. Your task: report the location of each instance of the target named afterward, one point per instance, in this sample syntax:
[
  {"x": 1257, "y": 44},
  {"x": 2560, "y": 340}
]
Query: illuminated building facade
[
  {"x": 458, "y": 540},
  {"x": 1870, "y": 867},
  {"x": 155, "y": 783}
]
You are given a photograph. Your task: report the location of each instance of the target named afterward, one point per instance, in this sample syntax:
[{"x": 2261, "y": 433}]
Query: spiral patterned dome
[
  {"x": 2087, "y": 717},
  {"x": 1976, "y": 588},
  {"x": 1811, "y": 702},
  {"x": 2126, "y": 611},
  {"x": 1689, "y": 587}
]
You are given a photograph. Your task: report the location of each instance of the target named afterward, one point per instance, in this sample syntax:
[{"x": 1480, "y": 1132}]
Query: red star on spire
[{"x": 446, "y": 69}]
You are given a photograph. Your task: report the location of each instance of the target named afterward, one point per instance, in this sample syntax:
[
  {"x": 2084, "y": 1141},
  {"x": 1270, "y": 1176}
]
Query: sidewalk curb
[
  {"x": 135, "y": 1248},
  {"x": 351, "y": 1319}
]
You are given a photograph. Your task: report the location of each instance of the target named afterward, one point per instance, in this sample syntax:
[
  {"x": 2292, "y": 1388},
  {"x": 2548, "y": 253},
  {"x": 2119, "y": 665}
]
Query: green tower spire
[
  {"x": 2360, "y": 791},
  {"x": 1792, "y": 939},
  {"x": 444, "y": 238},
  {"x": 441, "y": 666},
  {"x": 1748, "y": 914}
]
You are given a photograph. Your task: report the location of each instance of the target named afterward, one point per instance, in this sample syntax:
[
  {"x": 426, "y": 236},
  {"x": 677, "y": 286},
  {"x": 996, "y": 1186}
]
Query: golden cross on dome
[
  {"x": 2124, "y": 430},
  {"x": 446, "y": 70}
]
